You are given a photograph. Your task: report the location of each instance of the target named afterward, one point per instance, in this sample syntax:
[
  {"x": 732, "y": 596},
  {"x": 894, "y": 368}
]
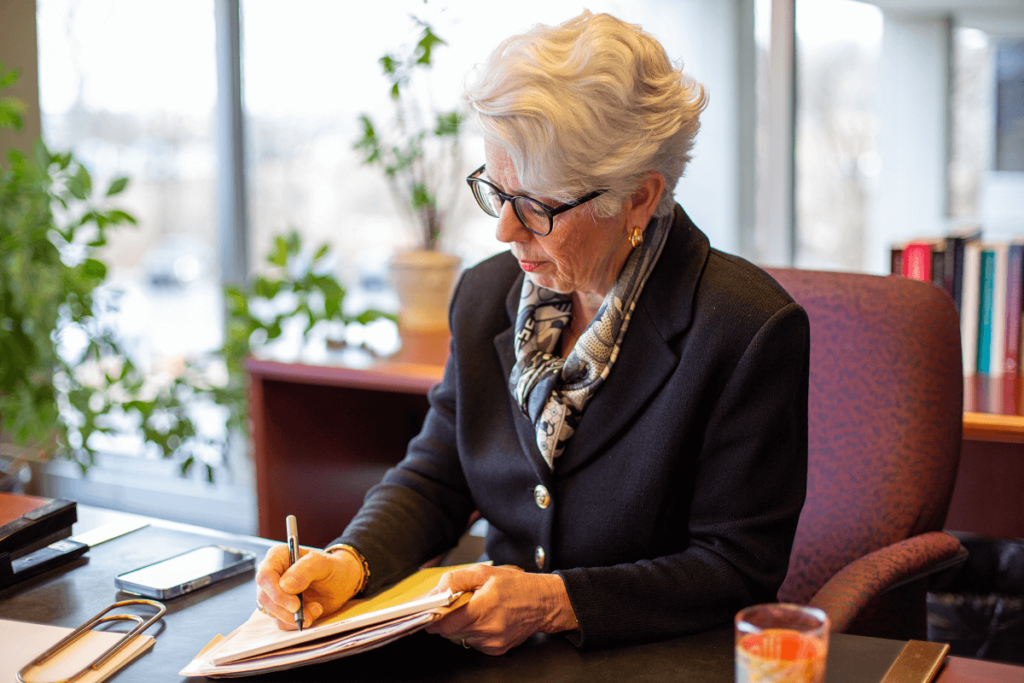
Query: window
[
  {"x": 130, "y": 88},
  {"x": 311, "y": 70},
  {"x": 1009, "y": 65},
  {"x": 837, "y": 159},
  {"x": 972, "y": 121}
]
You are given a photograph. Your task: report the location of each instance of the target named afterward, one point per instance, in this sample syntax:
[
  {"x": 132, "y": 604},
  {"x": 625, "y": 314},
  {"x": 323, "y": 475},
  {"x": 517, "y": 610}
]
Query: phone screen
[{"x": 185, "y": 568}]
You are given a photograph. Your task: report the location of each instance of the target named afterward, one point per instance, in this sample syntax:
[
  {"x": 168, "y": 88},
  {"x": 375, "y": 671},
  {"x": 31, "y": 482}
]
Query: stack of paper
[{"x": 259, "y": 646}]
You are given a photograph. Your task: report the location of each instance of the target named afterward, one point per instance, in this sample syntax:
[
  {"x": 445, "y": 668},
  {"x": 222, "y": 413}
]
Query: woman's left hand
[{"x": 508, "y": 606}]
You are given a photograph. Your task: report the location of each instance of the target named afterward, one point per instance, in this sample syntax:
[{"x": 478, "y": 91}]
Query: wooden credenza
[
  {"x": 323, "y": 435},
  {"x": 988, "y": 498}
]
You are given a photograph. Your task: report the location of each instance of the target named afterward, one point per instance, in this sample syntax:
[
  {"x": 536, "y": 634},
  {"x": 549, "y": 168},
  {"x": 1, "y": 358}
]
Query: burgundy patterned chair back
[{"x": 884, "y": 418}]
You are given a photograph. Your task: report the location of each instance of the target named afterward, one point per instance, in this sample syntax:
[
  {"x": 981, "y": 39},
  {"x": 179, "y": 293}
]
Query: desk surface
[{"x": 70, "y": 595}]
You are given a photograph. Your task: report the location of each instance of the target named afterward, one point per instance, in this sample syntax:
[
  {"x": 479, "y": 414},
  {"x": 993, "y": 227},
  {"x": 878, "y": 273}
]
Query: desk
[{"x": 70, "y": 595}]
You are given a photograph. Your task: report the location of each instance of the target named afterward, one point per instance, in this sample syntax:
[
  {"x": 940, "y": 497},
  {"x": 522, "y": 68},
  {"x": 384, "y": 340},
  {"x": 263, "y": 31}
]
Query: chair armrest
[{"x": 854, "y": 586}]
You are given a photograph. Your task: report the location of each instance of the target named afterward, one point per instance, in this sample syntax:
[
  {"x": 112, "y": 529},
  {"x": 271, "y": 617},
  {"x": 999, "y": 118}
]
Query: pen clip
[{"x": 292, "y": 528}]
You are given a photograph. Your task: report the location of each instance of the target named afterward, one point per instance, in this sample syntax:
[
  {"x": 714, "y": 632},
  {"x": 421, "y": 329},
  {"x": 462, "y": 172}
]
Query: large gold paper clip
[{"x": 97, "y": 663}]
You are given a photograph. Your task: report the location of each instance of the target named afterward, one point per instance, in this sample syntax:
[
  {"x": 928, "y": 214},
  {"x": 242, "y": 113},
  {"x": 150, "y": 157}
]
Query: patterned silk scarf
[{"x": 553, "y": 391}]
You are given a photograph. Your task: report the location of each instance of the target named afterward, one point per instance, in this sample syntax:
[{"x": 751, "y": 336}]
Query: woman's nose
[{"x": 510, "y": 228}]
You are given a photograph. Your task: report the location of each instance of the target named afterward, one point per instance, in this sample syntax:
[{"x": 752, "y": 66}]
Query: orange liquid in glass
[{"x": 780, "y": 656}]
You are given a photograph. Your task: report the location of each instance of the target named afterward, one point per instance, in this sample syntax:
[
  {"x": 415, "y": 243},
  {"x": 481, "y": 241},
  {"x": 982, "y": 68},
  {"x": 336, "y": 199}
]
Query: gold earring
[{"x": 636, "y": 237}]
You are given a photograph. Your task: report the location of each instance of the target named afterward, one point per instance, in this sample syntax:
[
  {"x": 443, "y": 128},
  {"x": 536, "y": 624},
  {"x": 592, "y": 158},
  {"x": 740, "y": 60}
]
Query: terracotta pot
[{"x": 423, "y": 281}]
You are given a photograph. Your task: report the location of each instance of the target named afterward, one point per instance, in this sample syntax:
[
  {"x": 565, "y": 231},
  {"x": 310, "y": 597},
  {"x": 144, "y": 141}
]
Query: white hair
[{"x": 591, "y": 104}]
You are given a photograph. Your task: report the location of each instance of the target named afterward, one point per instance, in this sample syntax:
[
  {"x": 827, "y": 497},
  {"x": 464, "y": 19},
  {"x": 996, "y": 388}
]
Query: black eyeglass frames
[{"x": 535, "y": 216}]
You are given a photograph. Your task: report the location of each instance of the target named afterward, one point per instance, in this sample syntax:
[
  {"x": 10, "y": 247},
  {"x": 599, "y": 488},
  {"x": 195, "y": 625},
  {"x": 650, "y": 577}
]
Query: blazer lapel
[
  {"x": 503, "y": 344},
  {"x": 646, "y": 359},
  {"x": 645, "y": 362}
]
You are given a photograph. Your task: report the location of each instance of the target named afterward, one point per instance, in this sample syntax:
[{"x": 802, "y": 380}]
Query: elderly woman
[{"x": 625, "y": 406}]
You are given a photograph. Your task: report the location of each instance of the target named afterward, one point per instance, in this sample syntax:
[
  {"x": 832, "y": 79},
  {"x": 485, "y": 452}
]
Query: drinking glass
[{"x": 779, "y": 643}]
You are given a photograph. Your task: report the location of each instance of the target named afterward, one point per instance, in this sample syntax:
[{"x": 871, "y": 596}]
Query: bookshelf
[
  {"x": 985, "y": 280},
  {"x": 994, "y": 409}
]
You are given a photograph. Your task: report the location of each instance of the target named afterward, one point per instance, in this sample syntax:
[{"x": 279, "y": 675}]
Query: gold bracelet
[{"x": 359, "y": 558}]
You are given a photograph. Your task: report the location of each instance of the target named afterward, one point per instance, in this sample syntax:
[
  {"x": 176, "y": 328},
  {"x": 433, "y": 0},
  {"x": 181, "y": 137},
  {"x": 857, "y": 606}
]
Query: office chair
[{"x": 885, "y": 423}]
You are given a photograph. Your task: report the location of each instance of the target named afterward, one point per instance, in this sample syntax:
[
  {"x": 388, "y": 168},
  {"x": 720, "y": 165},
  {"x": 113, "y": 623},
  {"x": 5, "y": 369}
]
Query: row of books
[{"x": 986, "y": 282}]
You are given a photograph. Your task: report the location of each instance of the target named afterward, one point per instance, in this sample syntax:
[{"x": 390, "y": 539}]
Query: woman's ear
[{"x": 642, "y": 204}]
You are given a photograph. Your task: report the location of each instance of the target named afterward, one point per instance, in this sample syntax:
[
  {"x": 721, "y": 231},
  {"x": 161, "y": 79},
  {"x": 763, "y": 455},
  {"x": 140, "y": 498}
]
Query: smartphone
[{"x": 186, "y": 572}]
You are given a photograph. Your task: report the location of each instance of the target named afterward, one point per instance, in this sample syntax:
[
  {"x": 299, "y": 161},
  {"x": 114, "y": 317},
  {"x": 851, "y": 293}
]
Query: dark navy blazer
[{"x": 676, "y": 501}]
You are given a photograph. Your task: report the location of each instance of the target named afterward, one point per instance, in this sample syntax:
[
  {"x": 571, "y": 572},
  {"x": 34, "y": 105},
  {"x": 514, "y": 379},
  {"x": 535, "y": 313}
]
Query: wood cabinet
[
  {"x": 988, "y": 498},
  {"x": 323, "y": 435}
]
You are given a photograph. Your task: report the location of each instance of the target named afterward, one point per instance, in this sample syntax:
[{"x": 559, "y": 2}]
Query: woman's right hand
[{"x": 326, "y": 582}]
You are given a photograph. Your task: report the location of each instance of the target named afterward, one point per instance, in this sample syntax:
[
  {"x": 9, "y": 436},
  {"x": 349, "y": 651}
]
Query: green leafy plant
[
  {"x": 419, "y": 151},
  {"x": 64, "y": 375},
  {"x": 298, "y": 285}
]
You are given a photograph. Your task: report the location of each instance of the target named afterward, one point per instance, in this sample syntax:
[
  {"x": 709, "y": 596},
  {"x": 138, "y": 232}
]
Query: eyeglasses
[{"x": 536, "y": 217}]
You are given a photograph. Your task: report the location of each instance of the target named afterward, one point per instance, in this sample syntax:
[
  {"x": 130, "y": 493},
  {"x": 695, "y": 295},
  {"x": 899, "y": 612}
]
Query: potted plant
[
  {"x": 297, "y": 285},
  {"x": 420, "y": 154}
]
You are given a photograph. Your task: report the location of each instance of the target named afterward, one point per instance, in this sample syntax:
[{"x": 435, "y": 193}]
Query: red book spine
[
  {"x": 917, "y": 261},
  {"x": 1014, "y": 304}
]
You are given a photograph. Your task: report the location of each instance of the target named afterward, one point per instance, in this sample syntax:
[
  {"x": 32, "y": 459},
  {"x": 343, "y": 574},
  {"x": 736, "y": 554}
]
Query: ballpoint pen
[{"x": 293, "y": 549}]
